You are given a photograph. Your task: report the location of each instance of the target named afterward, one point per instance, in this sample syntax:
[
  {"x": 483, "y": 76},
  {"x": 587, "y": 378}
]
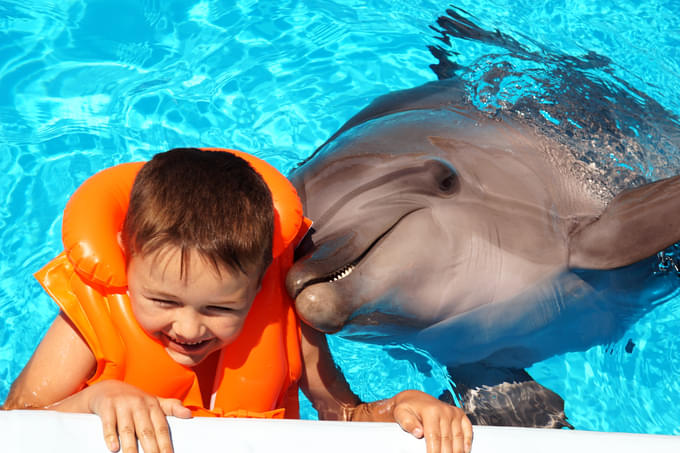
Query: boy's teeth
[{"x": 189, "y": 343}]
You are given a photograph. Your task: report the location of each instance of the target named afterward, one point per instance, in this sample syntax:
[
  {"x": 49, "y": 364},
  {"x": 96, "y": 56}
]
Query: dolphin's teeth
[{"x": 341, "y": 273}]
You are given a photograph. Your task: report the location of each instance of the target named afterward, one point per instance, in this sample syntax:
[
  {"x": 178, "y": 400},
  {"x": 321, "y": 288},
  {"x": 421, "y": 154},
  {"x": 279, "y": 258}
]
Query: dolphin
[{"x": 481, "y": 239}]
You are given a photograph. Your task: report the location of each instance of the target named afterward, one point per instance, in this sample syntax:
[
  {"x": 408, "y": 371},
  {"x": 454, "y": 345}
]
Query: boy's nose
[{"x": 188, "y": 326}]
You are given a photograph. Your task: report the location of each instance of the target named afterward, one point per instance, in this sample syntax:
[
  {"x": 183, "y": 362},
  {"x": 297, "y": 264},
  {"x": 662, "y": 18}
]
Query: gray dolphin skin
[{"x": 479, "y": 239}]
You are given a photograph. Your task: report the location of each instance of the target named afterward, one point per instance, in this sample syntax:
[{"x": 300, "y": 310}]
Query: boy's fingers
[
  {"x": 144, "y": 428},
  {"x": 409, "y": 422},
  {"x": 161, "y": 430},
  {"x": 174, "y": 408},
  {"x": 467, "y": 434},
  {"x": 458, "y": 435},
  {"x": 108, "y": 419},
  {"x": 126, "y": 431},
  {"x": 437, "y": 434}
]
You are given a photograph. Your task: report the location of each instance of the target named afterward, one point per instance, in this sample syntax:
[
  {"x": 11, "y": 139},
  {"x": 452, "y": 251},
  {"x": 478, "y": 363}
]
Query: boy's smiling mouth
[{"x": 185, "y": 346}]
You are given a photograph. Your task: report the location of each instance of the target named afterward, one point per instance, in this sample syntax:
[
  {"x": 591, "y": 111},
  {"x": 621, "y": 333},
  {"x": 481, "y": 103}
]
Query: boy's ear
[{"x": 119, "y": 238}]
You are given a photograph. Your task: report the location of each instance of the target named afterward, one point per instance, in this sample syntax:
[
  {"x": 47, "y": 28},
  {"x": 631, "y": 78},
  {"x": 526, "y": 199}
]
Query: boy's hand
[
  {"x": 446, "y": 428},
  {"x": 128, "y": 414}
]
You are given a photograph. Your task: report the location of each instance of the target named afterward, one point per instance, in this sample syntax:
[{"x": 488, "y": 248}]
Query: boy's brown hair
[{"x": 212, "y": 202}]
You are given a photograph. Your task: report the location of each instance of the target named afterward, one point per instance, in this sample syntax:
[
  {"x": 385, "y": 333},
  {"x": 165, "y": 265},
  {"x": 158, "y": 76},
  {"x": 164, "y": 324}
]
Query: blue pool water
[{"x": 88, "y": 84}]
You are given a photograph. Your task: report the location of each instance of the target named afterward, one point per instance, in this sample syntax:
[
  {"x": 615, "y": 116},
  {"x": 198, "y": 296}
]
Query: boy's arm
[
  {"x": 53, "y": 379},
  {"x": 59, "y": 367},
  {"x": 322, "y": 382},
  {"x": 445, "y": 428}
]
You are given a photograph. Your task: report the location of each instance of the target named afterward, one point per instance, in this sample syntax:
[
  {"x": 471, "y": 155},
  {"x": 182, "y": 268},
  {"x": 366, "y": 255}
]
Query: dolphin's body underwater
[{"x": 480, "y": 240}]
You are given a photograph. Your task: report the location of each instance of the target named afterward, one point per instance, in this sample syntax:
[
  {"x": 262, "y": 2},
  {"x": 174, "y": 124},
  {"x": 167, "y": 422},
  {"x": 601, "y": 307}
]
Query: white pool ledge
[{"x": 46, "y": 431}]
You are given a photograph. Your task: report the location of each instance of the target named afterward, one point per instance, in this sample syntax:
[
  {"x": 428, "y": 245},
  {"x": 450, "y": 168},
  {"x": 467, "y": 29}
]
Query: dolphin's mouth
[{"x": 347, "y": 269}]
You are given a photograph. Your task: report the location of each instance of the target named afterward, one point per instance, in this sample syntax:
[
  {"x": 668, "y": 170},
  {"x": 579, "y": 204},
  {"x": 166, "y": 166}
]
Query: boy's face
[{"x": 191, "y": 316}]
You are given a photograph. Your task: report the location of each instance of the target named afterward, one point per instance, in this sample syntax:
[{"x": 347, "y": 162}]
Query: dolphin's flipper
[
  {"x": 636, "y": 224},
  {"x": 507, "y": 397}
]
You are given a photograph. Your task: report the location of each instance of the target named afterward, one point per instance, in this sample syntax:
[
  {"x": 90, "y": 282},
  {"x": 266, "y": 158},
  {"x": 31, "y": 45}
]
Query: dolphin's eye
[
  {"x": 447, "y": 185},
  {"x": 444, "y": 175}
]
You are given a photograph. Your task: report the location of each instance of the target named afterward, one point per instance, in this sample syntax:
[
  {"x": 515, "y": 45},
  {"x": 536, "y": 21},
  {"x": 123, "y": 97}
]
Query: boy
[{"x": 198, "y": 322}]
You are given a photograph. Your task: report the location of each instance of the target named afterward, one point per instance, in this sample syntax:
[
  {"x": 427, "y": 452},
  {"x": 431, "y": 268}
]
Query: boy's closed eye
[
  {"x": 221, "y": 308},
  {"x": 210, "y": 309},
  {"x": 164, "y": 302}
]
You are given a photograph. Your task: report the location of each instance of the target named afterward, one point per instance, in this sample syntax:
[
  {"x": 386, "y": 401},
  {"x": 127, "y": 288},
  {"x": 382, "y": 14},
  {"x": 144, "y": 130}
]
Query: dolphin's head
[
  {"x": 377, "y": 195},
  {"x": 423, "y": 213},
  {"x": 433, "y": 220}
]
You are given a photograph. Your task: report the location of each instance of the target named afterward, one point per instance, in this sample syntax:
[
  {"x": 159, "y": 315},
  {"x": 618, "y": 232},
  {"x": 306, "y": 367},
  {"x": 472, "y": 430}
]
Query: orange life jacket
[{"x": 256, "y": 375}]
